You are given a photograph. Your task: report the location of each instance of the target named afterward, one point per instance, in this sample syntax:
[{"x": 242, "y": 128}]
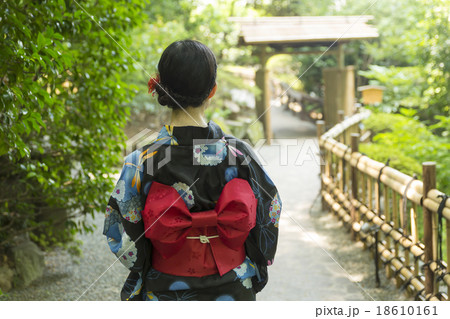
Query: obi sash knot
[{"x": 199, "y": 243}]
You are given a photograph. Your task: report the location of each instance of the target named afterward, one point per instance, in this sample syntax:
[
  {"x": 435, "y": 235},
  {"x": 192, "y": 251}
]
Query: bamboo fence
[{"x": 389, "y": 210}]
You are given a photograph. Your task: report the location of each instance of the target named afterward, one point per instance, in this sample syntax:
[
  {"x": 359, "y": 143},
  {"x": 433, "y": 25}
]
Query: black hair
[{"x": 187, "y": 71}]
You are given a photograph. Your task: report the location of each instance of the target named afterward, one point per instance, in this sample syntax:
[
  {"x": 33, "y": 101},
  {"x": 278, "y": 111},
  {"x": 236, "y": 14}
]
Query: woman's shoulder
[
  {"x": 241, "y": 143},
  {"x": 243, "y": 146}
]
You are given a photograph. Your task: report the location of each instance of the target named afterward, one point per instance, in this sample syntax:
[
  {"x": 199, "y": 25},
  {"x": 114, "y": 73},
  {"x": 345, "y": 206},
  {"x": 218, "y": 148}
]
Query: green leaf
[
  {"x": 31, "y": 174},
  {"x": 51, "y": 52},
  {"x": 18, "y": 94},
  {"x": 40, "y": 41},
  {"x": 79, "y": 124}
]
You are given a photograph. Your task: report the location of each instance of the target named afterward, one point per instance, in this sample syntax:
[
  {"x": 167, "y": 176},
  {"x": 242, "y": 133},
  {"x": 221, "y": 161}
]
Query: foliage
[
  {"x": 304, "y": 71},
  {"x": 410, "y": 56},
  {"x": 396, "y": 22},
  {"x": 286, "y": 68},
  {"x": 167, "y": 23},
  {"x": 293, "y": 8},
  {"x": 403, "y": 86},
  {"x": 61, "y": 111},
  {"x": 67, "y": 88},
  {"x": 311, "y": 70},
  {"x": 408, "y": 143}
]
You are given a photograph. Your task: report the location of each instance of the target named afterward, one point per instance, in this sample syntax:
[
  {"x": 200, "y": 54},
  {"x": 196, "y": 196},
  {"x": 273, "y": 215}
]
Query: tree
[
  {"x": 62, "y": 114},
  {"x": 410, "y": 56},
  {"x": 293, "y": 8},
  {"x": 170, "y": 21}
]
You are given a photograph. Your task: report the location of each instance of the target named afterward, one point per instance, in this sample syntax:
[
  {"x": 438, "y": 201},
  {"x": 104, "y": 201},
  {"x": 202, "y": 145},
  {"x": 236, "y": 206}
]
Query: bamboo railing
[{"x": 389, "y": 210}]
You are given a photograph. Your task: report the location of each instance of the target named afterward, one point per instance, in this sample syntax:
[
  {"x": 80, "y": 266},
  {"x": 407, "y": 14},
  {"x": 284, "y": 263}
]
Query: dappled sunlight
[{"x": 344, "y": 103}]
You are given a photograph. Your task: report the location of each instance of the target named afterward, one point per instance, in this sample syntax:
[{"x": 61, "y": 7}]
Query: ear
[{"x": 213, "y": 91}]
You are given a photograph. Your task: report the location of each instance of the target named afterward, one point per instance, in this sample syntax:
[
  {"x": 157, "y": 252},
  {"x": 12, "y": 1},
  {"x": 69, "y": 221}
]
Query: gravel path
[
  {"x": 357, "y": 262},
  {"x": 67, "y": 277},
  {"x": 316, "y": 258}
]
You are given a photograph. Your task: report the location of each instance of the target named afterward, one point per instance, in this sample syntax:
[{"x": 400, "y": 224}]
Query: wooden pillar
[
  {"x": 262, "y": 102},
  {"x": 339, "y": 92},
  {"x": 429, "y": 183},
  {"x": 340, "y": 56},
  {"x": 320, "y": 130}
]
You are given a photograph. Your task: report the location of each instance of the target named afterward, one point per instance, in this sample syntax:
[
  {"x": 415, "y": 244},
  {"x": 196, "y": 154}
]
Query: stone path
[{"x": 303, "y": 268}]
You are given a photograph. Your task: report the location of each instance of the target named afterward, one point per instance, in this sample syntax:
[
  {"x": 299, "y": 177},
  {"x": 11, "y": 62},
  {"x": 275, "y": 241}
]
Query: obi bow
[{"x": 169, "y": 223}]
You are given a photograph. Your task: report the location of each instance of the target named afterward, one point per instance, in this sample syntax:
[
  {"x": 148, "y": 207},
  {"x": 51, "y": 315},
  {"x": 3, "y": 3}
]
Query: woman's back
[{"x": 197, "y": 162}]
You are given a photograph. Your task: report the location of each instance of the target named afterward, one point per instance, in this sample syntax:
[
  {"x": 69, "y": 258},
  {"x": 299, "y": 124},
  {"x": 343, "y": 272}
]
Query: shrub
[
  {"x": 61, "y": 97},
  {"x": 408, "y": 143}
]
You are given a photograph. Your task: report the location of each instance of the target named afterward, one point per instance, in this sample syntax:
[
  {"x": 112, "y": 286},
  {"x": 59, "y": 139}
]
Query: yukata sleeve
[
  {"x": 123, "y": 225},
  {"x": 261, "y": 244}
]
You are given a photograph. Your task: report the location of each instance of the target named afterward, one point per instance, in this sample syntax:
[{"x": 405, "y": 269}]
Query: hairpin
[{"x": 152, "y": 83}]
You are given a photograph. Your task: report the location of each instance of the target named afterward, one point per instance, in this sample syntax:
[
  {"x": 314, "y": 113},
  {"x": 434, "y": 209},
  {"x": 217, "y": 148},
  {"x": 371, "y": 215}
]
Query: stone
[
  {"x": 6, "y": 278},
  {"x": 29, "y": 263}
]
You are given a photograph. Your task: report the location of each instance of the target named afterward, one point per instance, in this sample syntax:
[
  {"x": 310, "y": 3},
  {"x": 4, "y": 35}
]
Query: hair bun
[
  {"x": 163, "y": 97},
  {"x": 174, "y": 100},
  {"x": 187, "y": 71}
]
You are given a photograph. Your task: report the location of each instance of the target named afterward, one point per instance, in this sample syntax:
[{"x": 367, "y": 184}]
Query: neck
[{"x": 190, "y": 116}]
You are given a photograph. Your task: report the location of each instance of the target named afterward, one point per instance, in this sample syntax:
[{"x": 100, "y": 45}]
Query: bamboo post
[
  {"x": 369, "y": 191},
  {"x": 404, "y": 225},
  {"x": 341, "y": 163},
  {"x": 354, "y": 181},
  {"x": 434, "y": 223},
  {"x": 341, "y": 173},
  {"x": 396, "y": 226},
  {"x": 329, "y": 164},
  {"x": 362, "y": 196},
  {"x": 388, "y": 219},
  {"x": 377, "y": 233},
  {"x": 414, "y": 234},
  {"x": 320, "y": 130},
  {"x": 377, "y": 198},
  {"x": 429, "y": 183},
  {"x": 414, "y": 226},
  {"x": 402, "y": 216},
  {"x": 350, "y": 131},
  {"x": 447, "y": 225},
  {"x": 387, "y": 208},
  {"x": 363, "y": 189},
  {"x": 347, "y": 176}
]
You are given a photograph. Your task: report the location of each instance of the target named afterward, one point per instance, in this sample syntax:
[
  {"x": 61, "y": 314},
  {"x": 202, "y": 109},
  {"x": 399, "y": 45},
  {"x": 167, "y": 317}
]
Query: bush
[
  {"x": 397, "y": 159},
  {"x": 61, "y": 112},
  {"x": 408, "y": 143}
]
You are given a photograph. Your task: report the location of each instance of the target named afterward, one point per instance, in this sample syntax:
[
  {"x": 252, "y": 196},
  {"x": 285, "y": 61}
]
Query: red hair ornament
[{"x": 152, "y": 83}]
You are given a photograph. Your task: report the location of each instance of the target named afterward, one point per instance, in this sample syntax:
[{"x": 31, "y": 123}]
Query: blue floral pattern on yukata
[{"x": 214, "y": 163}]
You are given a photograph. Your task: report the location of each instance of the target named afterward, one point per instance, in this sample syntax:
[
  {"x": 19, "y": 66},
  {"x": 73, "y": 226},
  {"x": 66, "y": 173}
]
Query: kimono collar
[{"x": 183, "y": 135}]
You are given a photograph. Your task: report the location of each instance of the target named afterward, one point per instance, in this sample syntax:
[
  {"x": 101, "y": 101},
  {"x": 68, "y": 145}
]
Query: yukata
[{"x": 197, "y": 162}]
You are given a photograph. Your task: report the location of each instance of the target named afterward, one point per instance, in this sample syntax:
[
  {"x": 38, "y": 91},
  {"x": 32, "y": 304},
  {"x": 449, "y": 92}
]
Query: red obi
[{"x": 203, "y": 243}]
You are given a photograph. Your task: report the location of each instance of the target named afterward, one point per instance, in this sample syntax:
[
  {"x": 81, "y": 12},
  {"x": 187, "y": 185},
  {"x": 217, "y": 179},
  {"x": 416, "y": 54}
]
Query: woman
[{"x": 193, "y": 216}]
